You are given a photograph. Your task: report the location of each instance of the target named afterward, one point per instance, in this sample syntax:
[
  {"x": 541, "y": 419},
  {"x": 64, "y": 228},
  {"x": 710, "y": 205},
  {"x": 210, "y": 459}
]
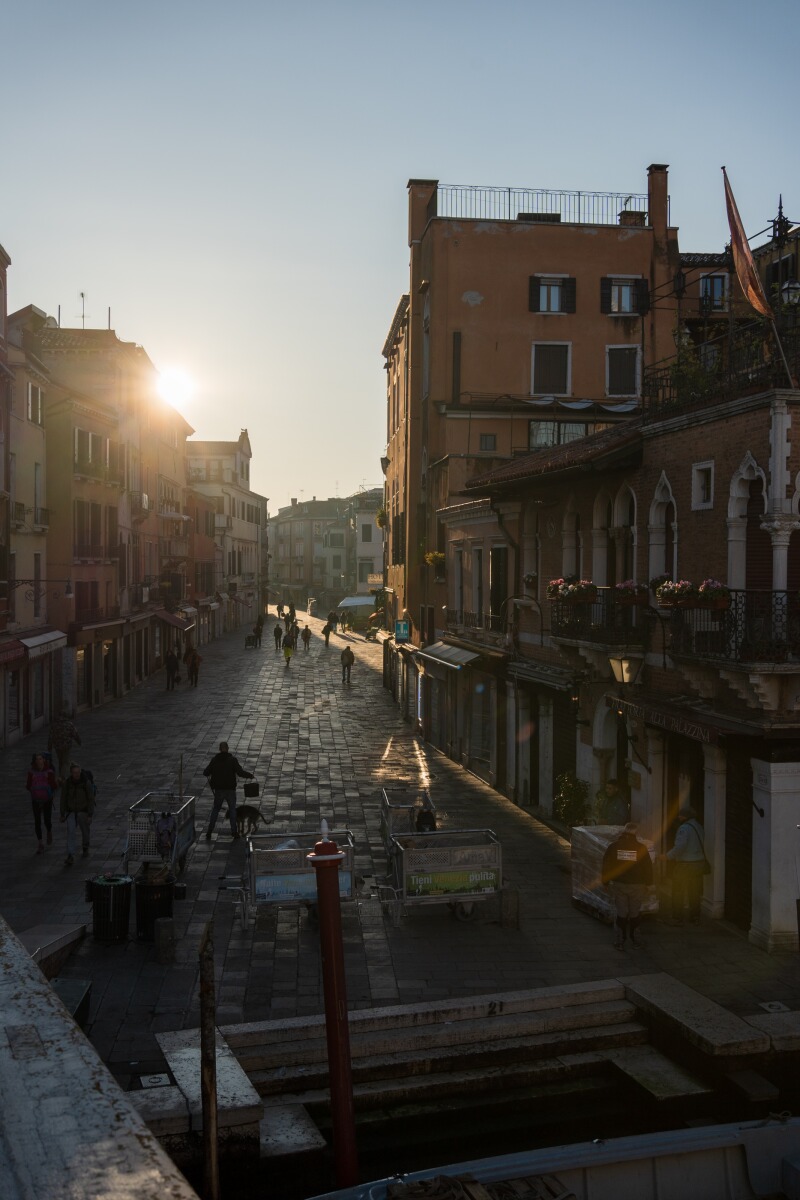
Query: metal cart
[
  {"x": 401, "y": 810},
  {"x": 278, "y": 871},
  {"x": 588, "y": 845},
  {"x": 142, "y": 842},
  {"x": 459, "y": 867}
]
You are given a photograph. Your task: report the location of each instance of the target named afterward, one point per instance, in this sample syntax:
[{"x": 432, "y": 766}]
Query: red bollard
[{"x": 325, "y": 860}]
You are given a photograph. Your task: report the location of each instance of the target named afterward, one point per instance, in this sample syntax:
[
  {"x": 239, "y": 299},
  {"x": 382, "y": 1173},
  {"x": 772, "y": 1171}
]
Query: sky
[{"x": 230, "y": 179}]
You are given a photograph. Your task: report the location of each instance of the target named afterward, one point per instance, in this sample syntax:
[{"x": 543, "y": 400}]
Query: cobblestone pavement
[{"x": 320, "y": 749}]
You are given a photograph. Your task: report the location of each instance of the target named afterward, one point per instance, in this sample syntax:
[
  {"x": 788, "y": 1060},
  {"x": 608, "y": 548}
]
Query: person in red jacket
[
  {"x": 628, "y": 874},
  {"x": 41, "y": 783}
]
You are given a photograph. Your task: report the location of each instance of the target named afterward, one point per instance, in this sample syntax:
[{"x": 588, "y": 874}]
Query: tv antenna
[{"x": 82, "y": 298}]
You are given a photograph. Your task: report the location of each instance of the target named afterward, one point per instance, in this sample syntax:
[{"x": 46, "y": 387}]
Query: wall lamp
[
  {"x": 575, "y": 701},
  {"x": 626, "y": 667}
]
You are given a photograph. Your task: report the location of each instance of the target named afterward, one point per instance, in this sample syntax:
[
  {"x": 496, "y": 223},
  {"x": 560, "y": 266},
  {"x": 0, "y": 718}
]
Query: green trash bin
[
  {"x": 110, "y": 897},
  {"x": 155, "y": 893}
]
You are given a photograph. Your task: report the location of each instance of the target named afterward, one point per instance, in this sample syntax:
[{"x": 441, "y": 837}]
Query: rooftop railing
[{"x": 539, "y": 205}]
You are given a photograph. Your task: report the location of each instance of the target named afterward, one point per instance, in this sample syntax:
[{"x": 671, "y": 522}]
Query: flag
[{"x": 743, "y": 263}]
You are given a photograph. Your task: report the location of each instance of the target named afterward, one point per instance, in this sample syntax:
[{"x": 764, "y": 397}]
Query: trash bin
[
  {"x": 154, "y": 895},
  {"x": 110, "y": 897}
]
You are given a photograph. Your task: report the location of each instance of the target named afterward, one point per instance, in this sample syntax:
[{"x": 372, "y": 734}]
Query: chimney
[
  {"x": 658, "y": 198},
  {"x": 422, "y": 196},
  {"x": 294, "y": 501}
]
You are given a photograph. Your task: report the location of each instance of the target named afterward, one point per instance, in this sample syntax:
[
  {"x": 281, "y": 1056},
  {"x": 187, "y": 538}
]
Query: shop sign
[
  {"x": 456, "y": 883},
  {"x": 402, "y": 631}
]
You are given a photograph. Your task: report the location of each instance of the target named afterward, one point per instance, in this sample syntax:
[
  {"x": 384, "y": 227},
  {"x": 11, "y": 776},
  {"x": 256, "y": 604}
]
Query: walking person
[
  {"x": 41, "y": 783},
  {"x": 257, "y": 634},
  {"x": 277, "y": 633},
  {"x": 222, "y": 773},
  {"x": 77, "y": 807},
  {"x": 62, "y": 734},
  {"x": 295, "y": 635},
  {"x": 333, "y": 618},
  {"x": 628, "y": 875},
  {"x": 688, "y": 859},
  {"x": 306, "y": 636},
  {"x": 194, "y": 668},
  {"x": 172, "y": 665},
  {"x": 348, "y": 658},
  {"x": 326, "y": 633},
  {"x": 288, "y": 648}
]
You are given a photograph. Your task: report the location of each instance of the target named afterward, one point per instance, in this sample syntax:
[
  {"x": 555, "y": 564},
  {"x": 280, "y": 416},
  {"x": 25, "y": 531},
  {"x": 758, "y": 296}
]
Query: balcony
[
  {"x": 18, "y": 513},
  {"x": 471, "y": 622},
  {"x": 41, "y": 517},
  {"x": 88, "y": 469},
  {"x": 95, "y": 616},
  {"x": 173, "y": 548},
  {"x": 140, "y": 505},
  {"x": 538, "y": 204},
  {"x": 759, "y": 627},
  {"x": 222, "y": 522},
  {"x": 604, "y": 621},
  {"x": 718, "y": 370},
  {"x": 88, "y": 550}
]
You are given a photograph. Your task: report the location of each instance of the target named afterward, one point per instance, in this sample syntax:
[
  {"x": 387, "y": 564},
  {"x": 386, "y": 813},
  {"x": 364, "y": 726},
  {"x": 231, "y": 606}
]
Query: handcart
[
  {"x": 405, "y": 810},
  {"x": 459, "y": 867},
  {"x": 588, "y": 846},
  {"x": 146, "y": 839},
  {"x": 278, "y": 871}
]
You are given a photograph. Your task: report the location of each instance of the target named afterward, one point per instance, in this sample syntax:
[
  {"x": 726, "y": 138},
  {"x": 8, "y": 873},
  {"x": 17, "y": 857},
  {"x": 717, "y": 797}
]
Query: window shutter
[
  {"x": 533, "y": 294},
  {"x": 642, "y": 297},
  {"x": 605, "y": 295},
  {"x": 569, "y": 292}
]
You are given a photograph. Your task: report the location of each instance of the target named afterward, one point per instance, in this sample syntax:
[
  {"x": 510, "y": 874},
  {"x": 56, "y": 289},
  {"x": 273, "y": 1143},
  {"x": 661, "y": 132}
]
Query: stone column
[
  {"x": 714, "y": 779},
  {"x": 546, "y": 780},
  {"x": 776, "y": 843}
]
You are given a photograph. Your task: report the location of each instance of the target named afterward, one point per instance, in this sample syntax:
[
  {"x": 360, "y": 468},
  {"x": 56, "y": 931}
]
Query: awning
[
  {"x": 174, "y": 516},
  {"x": 448, "y": 656},
  {"x": 44, "y": 643},
  {"x": 11, "y": 651},
  {"x": 223, "y": 595},
  {"x": 188, "y": 610},
  {"x": 172, "y": 619},
  {"x": 541, "y": 673}
]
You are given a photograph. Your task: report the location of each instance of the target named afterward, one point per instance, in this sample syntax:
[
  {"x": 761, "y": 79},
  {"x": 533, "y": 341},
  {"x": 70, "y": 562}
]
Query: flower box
[
  {"x": 716, "y": 603},
  {"x": 682, "y": 594},
  {"x": 713, "y": 594},
  {"x": 632, "y": 600}
]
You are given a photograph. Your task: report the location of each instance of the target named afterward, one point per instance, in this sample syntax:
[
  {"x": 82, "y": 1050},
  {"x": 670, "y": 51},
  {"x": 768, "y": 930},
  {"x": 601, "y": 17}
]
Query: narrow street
[{"x": 319, "y": 750}]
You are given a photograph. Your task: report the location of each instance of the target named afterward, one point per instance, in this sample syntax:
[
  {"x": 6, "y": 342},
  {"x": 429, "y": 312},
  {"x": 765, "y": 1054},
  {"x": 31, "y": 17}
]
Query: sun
[{"x": 176, "y": 386}]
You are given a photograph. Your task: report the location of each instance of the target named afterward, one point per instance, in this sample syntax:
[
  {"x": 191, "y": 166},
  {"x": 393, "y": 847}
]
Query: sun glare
[{"x": 175, "y": 386}]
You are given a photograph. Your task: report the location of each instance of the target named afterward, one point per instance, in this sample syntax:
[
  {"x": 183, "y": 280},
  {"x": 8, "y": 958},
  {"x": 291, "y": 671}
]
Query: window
[
  {"x": 554, "y": 433},
  {"x": 366, "y": 533},
  {"x": 488, "y": 441},
  {"x": 35, "y": 407},
  {"x": 551, "y": 368},
  {"x": 364, "y": 571},
  {"x": 714, "y": 293},
  {"x": 336, "y": 562},
  {"x": 622, "y": 370},
  {"x": 623, "y": 296},
  {"x": 551, "y": 294},
  {"x": 703, "y": 485},
  {"x": 37, "y": 585}
]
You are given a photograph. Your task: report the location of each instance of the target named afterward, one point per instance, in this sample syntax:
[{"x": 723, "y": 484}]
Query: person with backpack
[
  {"x": 688, "y": 859},
  {"x": 41, "y": 783},
  {"x": 348, "y": 658},
  {"x": 78, "y": 794},
  {"x": 62, "y": 734},
  {"x": 326, "y": 633},
  {"x": 277, "y": 633},
  {"x": 288, "y": 647}
]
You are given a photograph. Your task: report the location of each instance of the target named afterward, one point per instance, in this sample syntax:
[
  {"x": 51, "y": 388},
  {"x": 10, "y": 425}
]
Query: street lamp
[{"x": 626, "y": 666}]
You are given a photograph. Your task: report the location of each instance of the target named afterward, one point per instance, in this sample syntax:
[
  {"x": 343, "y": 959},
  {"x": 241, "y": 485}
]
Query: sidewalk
[{"x": 320, "y": 749}]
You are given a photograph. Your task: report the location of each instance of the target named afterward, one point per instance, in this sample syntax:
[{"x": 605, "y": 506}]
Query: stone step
[
  {"x": 287, "y": 1130},
  {"x": 659, "y": 1076},
  {"x": 437, "y": 1012},
  {"x": 238, "y": 1103},
  {"x": 480, "y": 1031},
  {"x": 451, "y": 1086},
  {"x": 51, "y": 945},
  {"x": 280, "y": 1079},
  {"x": 708, "y": 1026}
]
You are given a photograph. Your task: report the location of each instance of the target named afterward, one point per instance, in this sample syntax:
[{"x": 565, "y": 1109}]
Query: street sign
[{"x": 401, "y": 631}]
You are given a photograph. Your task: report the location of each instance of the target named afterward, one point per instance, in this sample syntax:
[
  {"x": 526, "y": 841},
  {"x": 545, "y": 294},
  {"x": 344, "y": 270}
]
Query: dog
[{"x": 248, "y": 819}]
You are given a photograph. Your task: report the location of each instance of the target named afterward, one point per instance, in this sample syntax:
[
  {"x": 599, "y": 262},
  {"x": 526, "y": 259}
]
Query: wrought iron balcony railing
[
  {"x": 607, "y": 620},
  {"x": 758, "y": 627},
  {"x": 512, "y": 204}
]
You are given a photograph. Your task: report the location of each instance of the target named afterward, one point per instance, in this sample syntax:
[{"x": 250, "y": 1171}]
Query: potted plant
[
  {"x": 630, "y": 594},
  {"x": 713, "y": 594},
  {"x": 553, "y": 590},
  {"x": 680, "y": 594},
  {"x": 435, "y": 559},
  {"x": 530, "y": 579},
  {"x": 381, "y": 518},
  {"x": 571, "y": 801},
  {"x": 658, "y": 580},
  {"x": 579, "y": 591}
]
